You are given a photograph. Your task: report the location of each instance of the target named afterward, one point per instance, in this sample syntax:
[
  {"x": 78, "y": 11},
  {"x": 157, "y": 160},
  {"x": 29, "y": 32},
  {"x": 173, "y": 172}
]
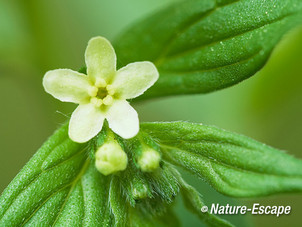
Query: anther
[
  {"x": 108, "y": 100},
  {"x": 93, "y": 91},
  {"x": 100, "y": 82},
  {"x": 110, "y": 90},
  {"x": 97, "y": 102}
]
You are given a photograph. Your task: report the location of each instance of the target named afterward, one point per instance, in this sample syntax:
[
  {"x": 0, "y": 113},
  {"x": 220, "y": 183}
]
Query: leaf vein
[
  {"x": 37, "y": 176},
  {"x": 168, "y": 45},
  {"x": 180, "y": 54},
  {"x": 248, "y": 58},
  {"x": 220, "y": 162},
  {"x": 73, "y": 184},
  {"x": 45, "y": 201}
]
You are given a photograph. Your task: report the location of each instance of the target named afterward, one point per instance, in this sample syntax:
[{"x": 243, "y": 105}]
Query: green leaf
[
  {"x": 192, "y": 200},
  {"x": 58, "y": 186},
  {"x": 117, "y": 202},
  {"x": 137, "y": 218},
  {"x": 194, "y": 203},
  {"x": 233, "y": 164},
  {"x": 200, "y": 46}
]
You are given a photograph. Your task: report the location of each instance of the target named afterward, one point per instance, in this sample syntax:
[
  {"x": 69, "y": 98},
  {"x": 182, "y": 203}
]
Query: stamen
[
  {"x": 110, "y": 90},
  {"x": 97, "y": 102},
  {"x": 94, "y": 100},
  {"x": 100, "y": 82},
  {"x": 93, "y": 91},
  {"x": 108, "y": 100}
]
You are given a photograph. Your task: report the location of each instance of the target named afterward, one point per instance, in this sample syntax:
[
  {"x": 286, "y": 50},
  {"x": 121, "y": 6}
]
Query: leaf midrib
[
  {"x": 169, "y": 43},
  {"x": 37, "y": 176},
  {"x": 73, "y": 184},
  {"x": 244, "y": 60},
  {"x": 187, "y": 51}
]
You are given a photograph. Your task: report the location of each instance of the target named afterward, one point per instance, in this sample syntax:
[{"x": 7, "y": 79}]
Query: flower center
[{"x": 101, "y": 93}]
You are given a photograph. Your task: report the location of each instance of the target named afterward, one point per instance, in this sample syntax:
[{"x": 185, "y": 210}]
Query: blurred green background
[{"x": 36, "y": 36}]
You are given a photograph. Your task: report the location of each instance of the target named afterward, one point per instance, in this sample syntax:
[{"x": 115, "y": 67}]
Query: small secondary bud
[
  {"x": 149, "y": 160},
  {"x": 140, "y": 192},
  {"x": 110, "y": 158}
]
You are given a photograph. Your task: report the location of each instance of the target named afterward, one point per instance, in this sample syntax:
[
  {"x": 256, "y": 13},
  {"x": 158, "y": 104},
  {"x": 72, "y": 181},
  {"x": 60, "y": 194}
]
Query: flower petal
[
  {"x": 134, "y": 79},
  {"x": 123, "y": 119},
  {"x": 85, "y": 123},
  {"x": 67, "y": 85},
  {"x": 100, "y": 59}
]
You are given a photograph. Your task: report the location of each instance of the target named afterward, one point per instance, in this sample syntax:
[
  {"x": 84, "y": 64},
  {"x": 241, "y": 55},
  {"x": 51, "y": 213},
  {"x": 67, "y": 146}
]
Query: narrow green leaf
[
  {"x": 117, "y": 203},
  {"x": 200, "y": 46},
  {"x": 194, "y": 203},
  {"x": 137, "y": 219},
  {"x": 233, "y": 164},
  {"x": 169, "y": 219}
]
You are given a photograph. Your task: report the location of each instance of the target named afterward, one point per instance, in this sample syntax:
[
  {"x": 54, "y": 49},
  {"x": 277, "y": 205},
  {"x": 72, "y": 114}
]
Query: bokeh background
[{"x": 36, "y": 36}]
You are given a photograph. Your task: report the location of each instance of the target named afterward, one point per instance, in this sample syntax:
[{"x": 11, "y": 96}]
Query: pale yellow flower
[{"x": 102, "y": 93}]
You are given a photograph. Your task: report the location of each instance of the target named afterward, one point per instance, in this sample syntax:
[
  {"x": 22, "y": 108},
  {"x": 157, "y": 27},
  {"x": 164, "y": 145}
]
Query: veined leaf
[
  {"x": 117, "y": 201},
  {"x": 56, "y": 187},
  {"x": 200, "y": 46},
  {"x": 60, "y": 186},
  {"x": 194, "y": 203},
  {"x": 233, "y": 164}
]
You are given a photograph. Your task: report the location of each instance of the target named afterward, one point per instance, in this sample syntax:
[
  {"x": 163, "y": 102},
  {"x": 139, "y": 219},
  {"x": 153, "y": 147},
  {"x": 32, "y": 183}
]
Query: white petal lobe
[
  {"x": 85, "y": 123},
  {"x": 100, "y": 59},
  {"x": 67, "y": 85},
  {"x": 134, "y": 79},
  {"x": 123, "y": 119}
]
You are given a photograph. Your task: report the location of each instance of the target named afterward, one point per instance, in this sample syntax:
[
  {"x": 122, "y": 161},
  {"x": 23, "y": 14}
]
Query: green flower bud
[
  {"x": 149, "y": 160},
  {"x": 110, "y": 158},
  {"x": 140, "y": 192}
]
